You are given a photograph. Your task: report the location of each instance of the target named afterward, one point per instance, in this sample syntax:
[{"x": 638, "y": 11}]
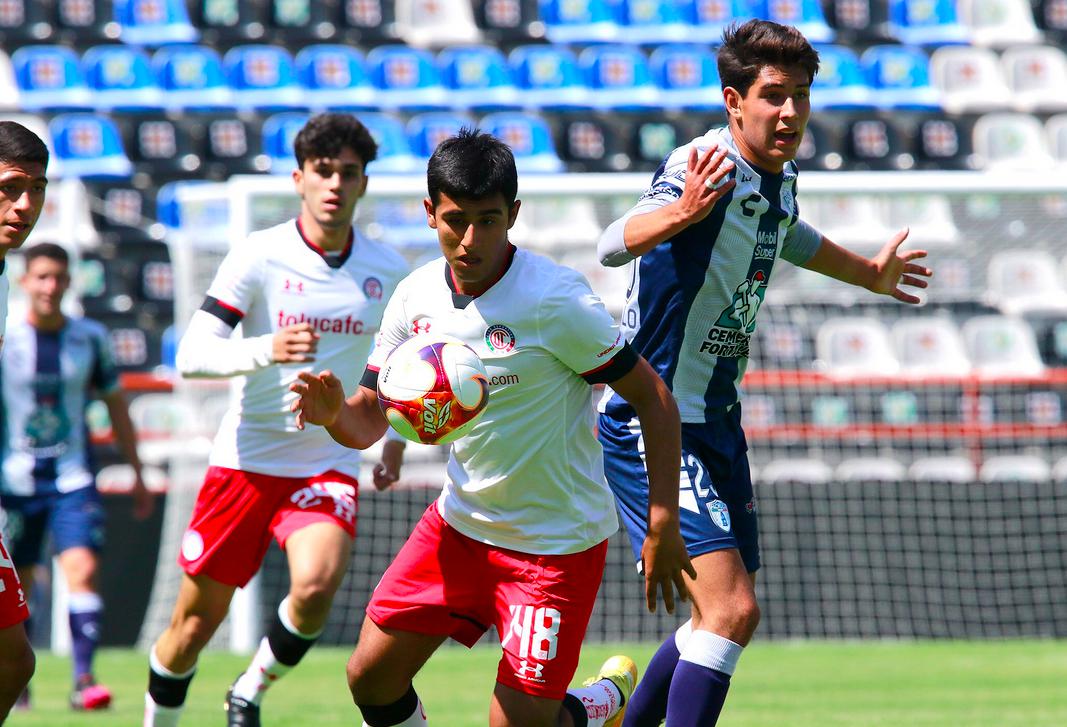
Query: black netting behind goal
[{"x": 840, "y": 560}]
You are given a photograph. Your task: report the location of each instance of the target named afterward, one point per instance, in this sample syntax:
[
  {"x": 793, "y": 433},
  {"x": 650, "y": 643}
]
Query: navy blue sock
[
  {"x": 696, "y": 696},
  {"x": 648, "y": 703},
  {"x": 84, "y": 616}
]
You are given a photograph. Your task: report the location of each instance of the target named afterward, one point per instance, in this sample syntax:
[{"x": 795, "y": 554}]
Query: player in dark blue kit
[
  {"x": 702, "y": 244},
  {"x": 51, "y": 367}
]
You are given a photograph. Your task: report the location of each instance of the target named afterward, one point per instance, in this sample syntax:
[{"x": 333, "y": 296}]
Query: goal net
[{"x": 910, "y": 461}]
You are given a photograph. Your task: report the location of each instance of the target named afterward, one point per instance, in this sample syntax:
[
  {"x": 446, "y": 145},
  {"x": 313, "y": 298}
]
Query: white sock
[
  {"x": 681, "y": 636},
  {"x": 417, "y": 718},
  {"x": 265, "y": 668},
  {"x": 602, "y": 701},
  {"x": 157, "y": 716},
  {"x": 712, "y": 651}
]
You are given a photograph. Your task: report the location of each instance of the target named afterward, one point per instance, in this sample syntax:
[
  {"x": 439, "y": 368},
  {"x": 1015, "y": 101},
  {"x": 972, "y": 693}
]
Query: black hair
[
  {"x": 325, "y": 135},
  {"x": 48, "y": 250},
  {"x": 19, "y": 144},
  {"x": 748, "y": 48},
  {"x": 472, "y": 165}
]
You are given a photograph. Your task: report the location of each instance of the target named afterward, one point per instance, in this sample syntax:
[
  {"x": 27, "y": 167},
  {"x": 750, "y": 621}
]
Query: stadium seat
[
  {"x": 858, "y": 22},
  {"x": 837, "y": 214},
  {"x": 589, "y": 143},
  {"x": 279, "y": 134},
  {"x": 261, "y": 78},
  {"x": 558, "y": 225},
  {"x": 105, "y": 284},
  {"x": 929, "y": 346},
  {"x": 872, "y": 143},
  {"x": 50, "y": 79},
  {"x": 296, "y": 23},
  {"x": 1059, "y": 470},
  {"x": 1056, "y": 132},
  {"x": 426, "y": 131},
  {"x": 162, "y": 416},
  {"x": 840, "y": 84},
  {"x": 1001, "y": 346},
  {"x": 134, "y": 347},
  {"x": 154, "y": 22},
  {"x": 707, "y": 20},
  {"x": 230, "y": 146},
  {"x": 83, "y": 22},
  {"x": 406, "y": 79},
  {"x": 1020, "y": 281},
  {"x": 822, "y": 147},
  {"x": 1011, "y": 141},
  {"x": 969, "y": 79},
  {"x": 87, "y": 146},
  {"x": 394, "y": 153},
  {"x": 783, "y": 345},
  {"x": 123, "y": 211},
  {"x": 529, "y": 138},
  {"x": 926, "y": 22},
  {"x": 1014, "y": 468},
  {"x": 120, "y": 79},
  {"x": 9, "y": 87},
  {"x": 998, "y": 23},
  {"x": 953, "y": 469},
  {"x": 869, "y": 469},
  {"x": 25, "y": 22},
  {"x": 508, "y": 22},
  {"x": 159, "y": 147},
  {"x": 928, "y": 216},
  {"x": 579, "y": 21},
  {"x": 900, "y": 78},
  {"x": 436, "y": 23},
  {"x": 798, "y": 471},
  {"x": 334, "y": 77},
  {"x": 369, "y": 22},
  {"x": 652, "y": 22},
  {"x": 940, "y": 142},
  {"x": 1051, "y": 17},
  {"x": 1050, "y": 329},
  {"x": 229, "y": 22},
  {"x": 805, "y": 15},
  {"x": 1036, "y": 76},
  {"x": 547, "y": 78},
  {"x": 191, "y": 78},
  {"x": 687, "y": 78},
  {"x": 850, "y": 347},
  {"x": 477, "y": 77},
  {"x": 618, "y": 78},
  {"x": 1044, "y": 408},
  {"x": 651, "y": 137}
]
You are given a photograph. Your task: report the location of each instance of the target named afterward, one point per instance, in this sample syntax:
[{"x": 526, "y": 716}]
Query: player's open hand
[
  {"x": 144, "y": 501},
  {"x": 665, "y": 559},
  {"x": 894, "y": 269},
  {"x": 706, "y": 181},
  {"x": 319, "y": 398},
  {"x": 295, "y": 344}
]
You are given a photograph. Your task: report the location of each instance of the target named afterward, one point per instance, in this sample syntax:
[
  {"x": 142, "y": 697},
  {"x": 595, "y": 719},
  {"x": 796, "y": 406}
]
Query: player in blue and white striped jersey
[{"x": 702, "y": 244}]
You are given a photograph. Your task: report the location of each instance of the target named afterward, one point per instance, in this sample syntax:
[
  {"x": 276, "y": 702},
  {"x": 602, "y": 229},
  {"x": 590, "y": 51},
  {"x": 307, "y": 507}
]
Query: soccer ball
[{"x": 433, "y": 389}]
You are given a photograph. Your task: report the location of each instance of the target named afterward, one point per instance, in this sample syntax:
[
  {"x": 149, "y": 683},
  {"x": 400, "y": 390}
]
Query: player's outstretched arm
[
  {"x": 355, "y": 422},
  {"x": 640, "y": 233},
  {"x": 663, "y": 552},
  {"x": 885, "y": 273},
  {"x": 126, "y": 438}
]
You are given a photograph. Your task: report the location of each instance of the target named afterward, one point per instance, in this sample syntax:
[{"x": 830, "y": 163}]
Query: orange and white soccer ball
[{"x": 433, "y": 389}]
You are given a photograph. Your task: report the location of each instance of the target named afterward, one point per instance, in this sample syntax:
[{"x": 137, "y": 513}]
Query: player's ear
[
  {"x": 732, "y": 99},
  {"x": 513, "y": 213},
  {"x": 427, "y": 204},
  {"x": 298, "y": 181}
]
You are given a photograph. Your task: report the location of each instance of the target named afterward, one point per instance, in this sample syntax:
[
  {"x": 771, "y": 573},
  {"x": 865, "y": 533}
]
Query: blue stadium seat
[
  {"x": 261, "y": 77},
  {"x": 406, "y": 79},
  {"x": 840, "y": 83},
  {"x": 154, "y": 22},
  {"x": 529, "y": 138},
  {"x": 120, "y": 79},
  {"x": 279, "y": 134},
  {"x": 87, "y": 146},
  {"x": 900, "y": 78},
  {"x": 50, "y": 79},
  {"x": 687, "y": 77},
  {"x": 652, "y": 21},
  {"x": 618, "y": 78},
  {"x": 707, "y": 19},
  {"x": 805, "y": 15},
  {"x": 926, "y": 22},
  {"x": 191, "y": 78},
  {"x": 394, "y": 153},
  {"x": 547, "y": 77},
  {"x": 334, "y": 76},
  {"x": 426, "y": 131},
  {"x": 579, "y": 21},
  {"x": 477, "y": 78}
]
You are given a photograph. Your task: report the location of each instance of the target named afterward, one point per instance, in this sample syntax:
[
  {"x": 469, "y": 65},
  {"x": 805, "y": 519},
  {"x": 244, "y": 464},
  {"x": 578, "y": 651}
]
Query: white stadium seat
[
  {"x": 1013, "y": 141},
  {"x": 998, "y": 23},
  {"x": 1014, "y": 468},
  {"x": 810, "y": 471},
  {"x": 1037, "y": 76},
  {"x": 436, "y": 22},
  {"x": 1019, "y": 281},
  {"x": 1056, "y": 134},
  {"x": 949, "y": 468},
  {"x": 1002, "y": 346},
  {"x": 854, "y": 347},
  {"x": 870, "y": 469},
  {"x": 970, "y": 79},
  {"x": 929, "y": 346}
]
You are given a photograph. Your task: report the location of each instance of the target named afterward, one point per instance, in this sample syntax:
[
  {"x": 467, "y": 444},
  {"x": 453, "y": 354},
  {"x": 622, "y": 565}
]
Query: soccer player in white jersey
[
  {"x": 517, "y": 539},
  {"x": 23, "y": 161},
  {"x": 307, "y": 291},
  {"x": 702, "y": 243},
  {"x": 52, "y": 365}
]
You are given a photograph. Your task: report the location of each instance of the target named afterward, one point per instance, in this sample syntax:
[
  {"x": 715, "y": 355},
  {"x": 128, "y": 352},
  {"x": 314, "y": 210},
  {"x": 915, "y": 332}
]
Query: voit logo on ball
[{"x": 499, "y": 338}]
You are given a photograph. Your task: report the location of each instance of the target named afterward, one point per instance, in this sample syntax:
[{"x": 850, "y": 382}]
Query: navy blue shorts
[
  {"x": 716, "y": 504},
  {"x": 74, "y": 519}
]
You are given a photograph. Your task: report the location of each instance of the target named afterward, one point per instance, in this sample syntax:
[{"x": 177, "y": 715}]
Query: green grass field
[{"x": 801, "y": 684}]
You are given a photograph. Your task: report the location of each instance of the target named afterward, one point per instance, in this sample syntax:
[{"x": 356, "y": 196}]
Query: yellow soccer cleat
[{"x": 622, "y": 672}]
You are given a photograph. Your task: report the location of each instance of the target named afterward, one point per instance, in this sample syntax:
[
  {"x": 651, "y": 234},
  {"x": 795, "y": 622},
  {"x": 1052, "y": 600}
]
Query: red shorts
[
  {"x": 237, "y": 512},
  {"x": 13, "y": 607},
  {"x": 444, "y": 583}
]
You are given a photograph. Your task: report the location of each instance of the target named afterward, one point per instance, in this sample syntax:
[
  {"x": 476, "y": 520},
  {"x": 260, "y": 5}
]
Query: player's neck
[
  {"x": 47, "y": 323},
  {"x": 751, "y": 158},
  {"x": 329, "y": 239}
]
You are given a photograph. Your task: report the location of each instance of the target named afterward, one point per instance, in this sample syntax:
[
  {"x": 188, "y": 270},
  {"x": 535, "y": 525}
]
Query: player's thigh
[
  {"x": 385, "y": 661},
  {"x": 318, "y": 555},
  {"x": 79, "y": 565},
  {"x": 512, "y": 708},
  {"x": 723, "y": 595},
  {"x": 77, "y": 520}
]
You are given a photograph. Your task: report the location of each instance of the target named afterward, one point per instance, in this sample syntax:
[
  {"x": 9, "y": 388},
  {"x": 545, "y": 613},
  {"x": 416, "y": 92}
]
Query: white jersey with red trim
[
  {"x": 4, "y": 289},
  {"x": 277, "y": 278},
  {"x": 530, "y": 475}
]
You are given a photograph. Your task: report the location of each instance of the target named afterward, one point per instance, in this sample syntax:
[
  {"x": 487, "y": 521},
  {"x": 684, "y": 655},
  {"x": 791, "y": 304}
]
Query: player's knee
[
  {"x": 371, "y": 685},
  {"x": 747, "y": 617},
  {"x": 313, "y": 597},
  {"x": 194, "y": 631}
]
